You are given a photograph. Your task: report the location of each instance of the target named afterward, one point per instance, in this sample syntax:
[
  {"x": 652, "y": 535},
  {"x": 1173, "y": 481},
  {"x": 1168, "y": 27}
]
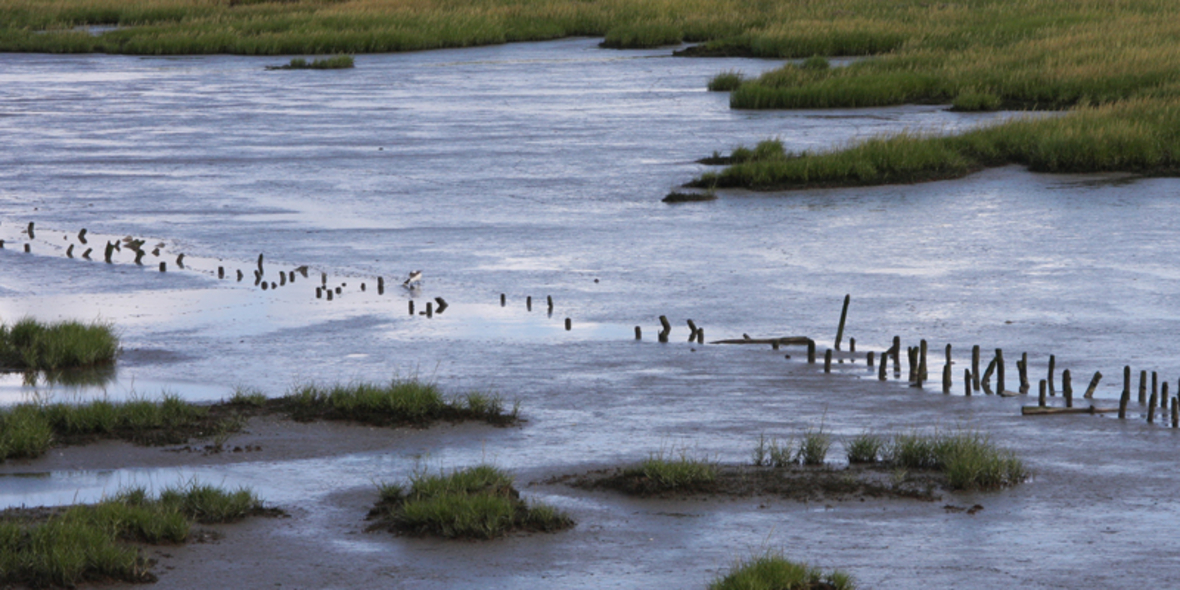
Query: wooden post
[
  {"x": 163, "y": 266},
  {"x": 139, "y": 256},
  {"x": 1155, "y": 388},
  {"x": 1151, "y": 407},
  {"x": 70, "y": 251},
  {"x": 946, "y": 378},
  {"x": 1044, "y": 390},
  {"x": 828, "y": 360},
  {"x": 881, "y": 369},
  {"x": 82, "y": 236},
  {"x": 1024, "y": 386},
  {"x": 665, "y": 323},
  {"x": 380, "y": 285},
  {"x": 987, "y": 376},
  {"x": 411, "y": 307},
  {"x": 283, "y": 280},
  {"x": 1067, "y": 388},
  {"x": 1142, "y": 387},
  {"x": 324, "y": 279},
  {"x": 528, "y": 303},
  {"x": 1052, "y": 366},
  {"x": 362, "y": 284},
  {"x": 266, "y": 285},
  {"x": 549, "y": 298},
  {"x": 319, "y": 293},
  {"x": 843, "y": 316},
  {"x": 922, "y": 362},
  {"x": 852, "y": 345},
  {"x": 110, "y": 250},
  {"x": 967, "y": 382},
  {"x": 869, "y": 359},
  {"x": 503, "y": 300},
  {"x": 975, "y": 367},
  {"x": 442, "y": 304},
  {"x": 221, "y": 272},
  {"x": 180, "y": 260},
  {"x": 429, "y": 309},
  {"x": 1123, "y": 399},
  {"x": 897, "y": 356},
  {"x": 31, "y": 235},
  {"x": 1164, "y": 402},
  {"x": 1126, "y": 386},
  {"x": 85, "y": 254},
  {"x": 700, "y": 335},
  {"x": 1175, "y": 412},
  {"x": 1000, "y": 385},
  {"x": 911, "y": 355},
  {"x": 240, "y": 275},
  {"x": 1093, "y": 385},
  {"x": 28, "y": 249},
  {"x": 692, "y": 333},
  {"x": 291, "y": 277},
  {"x": 638, "y": 333},
  {"x": 568, "y": 324},
  {"x": 811, "y": 352}
]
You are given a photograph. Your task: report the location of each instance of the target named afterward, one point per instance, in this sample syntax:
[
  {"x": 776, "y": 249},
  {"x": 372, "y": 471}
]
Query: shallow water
[{"x": 537, "y": 170}]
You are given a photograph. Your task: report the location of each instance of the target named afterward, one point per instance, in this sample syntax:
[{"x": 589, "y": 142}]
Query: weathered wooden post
[
  {"x": 528, "y": 303},
  {"x": 380, "y": 285},
  {"x": 692, "y": 333},
  {"x": 260, "y": 271},
  {"x": 503, "y": 300},
  {"x": 324, "y": 279},
  {"x": 1126, "y": 386},
  {"x": 1151, "y": 407},
  {"x": 667, "y": 329},
  {"x": 110, "y": 250},
  {"x": 1044, "y": 390},
  {"x": 811, "y": 352},
  {"x": 967, "y": 382},
  {"x": 1175, "y": 412},
  {"x": 843, "y": 316},
  {"x": 700, "y": 335},
  {"x": 429, "y": 309},
  {"x": 139, "y": 256},
  {"x": 881, "y": 368},
  {"x": 163, "y": 266},
  {"x": 266, "y": 285},
  {"x": 31, "y": 234},
  {"x": 1093, "y": 385},
  {"x": 911, "y": 355},
  {"x": 70, "y": 251},
  {"x": 180, "y": 261},
  {"x": 1024, "y": 386},
  {"x": 987, "y": 376},
  {"x": 549, "y": 299},
  {"x": 291, "y": 277},
  {"x": 922, "y": 361},
  {"x": 1067, "y": 388},
  {"x": 283, "y": 280},
  {"x": 240, "y": 275},
  {"x": 1000, "y": 386},
  {"x": 1052, "y": 366},
  {"x": 319, "y": 293},
  {"x": 1155, "y": 388},
  {"x": 828, "y": 360},
  {"x": 638, "y": 333},
  {"x": 869, "y": 359},
  {"x": 85, "y": 254},
  {"x": 82, "y": 236},
  {"x": 28, "y": 248},
  {"x": 442, "y": 304},
  {"x": 411, "y": 307},
  {"x": 896, "y": 356},
  {"x": 221, "y": 272},
  {"x": 1124, "y": 398},
  {"x": 1142, "y": 387},
  {"x": 975, "y": 367},
  {"x": 946, "y": 378}
]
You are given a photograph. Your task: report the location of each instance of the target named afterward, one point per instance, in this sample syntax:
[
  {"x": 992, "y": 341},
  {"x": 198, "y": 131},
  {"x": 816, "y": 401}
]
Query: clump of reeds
[
  {"x": 338, "y": 62},
  {"x": 91, "y": 542},
  {"x": 864, "y": 448},
  {"x": 774, "y": 570},
  {"x": 670, "y": 470},
  {"x": 32, "y": 345},
  {"x": 247, "y": 397},
  {"x": 401, "y": 401},
  {"x": 726, "y": 81},
  {"x": 812, "y": 449},
  {"x": 477, "y": 502},
  {"x": 28, "y": 430},
  {"x": 969, "y": 459}
]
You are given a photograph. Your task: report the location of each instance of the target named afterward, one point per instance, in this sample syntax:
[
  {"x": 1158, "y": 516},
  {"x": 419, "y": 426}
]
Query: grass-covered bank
[
  {"x": 475, "y": 503},
  {"x": 32, "y": 345},
  {"x": 29, "y": 430},
  {"x": 1139, "y": 136},
  {"x": 773, "y": 571},
  {"x": 67, "y": 546}
]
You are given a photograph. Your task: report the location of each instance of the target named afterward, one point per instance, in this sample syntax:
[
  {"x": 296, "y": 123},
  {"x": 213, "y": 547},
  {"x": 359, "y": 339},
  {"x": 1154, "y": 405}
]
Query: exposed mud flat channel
[{"x": 536, "y": 170}]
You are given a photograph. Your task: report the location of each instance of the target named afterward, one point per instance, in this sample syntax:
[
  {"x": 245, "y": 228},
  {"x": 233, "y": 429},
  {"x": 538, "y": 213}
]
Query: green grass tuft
[
  {"x": 477, "y": 502},
  {"x": 31, "y": 345},
  {"x": 864, "y": 448},
  {"x": 401, "y": 401},
  {"x": 664, "y": 471},
  {"x": 90, "y": 542},
  {"x": 813, "y": 448},
  {"x": 969, "y": 459},
  {"x": 339, "y": 62},
  {"x": 773, "y": 571},
  {"x": 726, "y": 81},
  {"x": 248, "y": 397}
]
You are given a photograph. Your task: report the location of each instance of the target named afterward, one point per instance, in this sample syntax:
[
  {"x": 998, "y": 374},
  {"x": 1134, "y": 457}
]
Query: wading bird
[{"x": 415, "y": 277}]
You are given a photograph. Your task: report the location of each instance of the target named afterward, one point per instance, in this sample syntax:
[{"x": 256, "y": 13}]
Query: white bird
[{"x": 415, "y": 277}]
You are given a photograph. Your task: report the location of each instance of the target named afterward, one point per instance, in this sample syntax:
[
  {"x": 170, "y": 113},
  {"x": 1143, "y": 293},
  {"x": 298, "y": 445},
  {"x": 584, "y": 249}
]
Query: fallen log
[
  {"x": 785, "y": 341},
  {"x": 1038, "y": 411}
]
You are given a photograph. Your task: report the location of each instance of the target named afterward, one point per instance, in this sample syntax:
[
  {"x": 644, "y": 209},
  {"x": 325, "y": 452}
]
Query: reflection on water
[{"x": 97, "y": 377}]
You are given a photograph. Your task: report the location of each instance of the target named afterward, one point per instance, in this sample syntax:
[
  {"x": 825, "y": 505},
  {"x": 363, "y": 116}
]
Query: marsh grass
[
  {"x": 775, "y": 571},
  {"x": 813, "y": 447},
  {"x": 671, "y": 470},
  {"x": 28, "y": 430},
  {"x": 339, "y": 62},
  {"x": 969, "y": 459},
  {"x": 864, "y": 448},
  {"x": 477, "y": 503},
  {"x": 32, "y": 345},
  {"x": 69, "y": 546},
  {"x": 726, "y": 81},
  {"x": 401, "y": 401}
]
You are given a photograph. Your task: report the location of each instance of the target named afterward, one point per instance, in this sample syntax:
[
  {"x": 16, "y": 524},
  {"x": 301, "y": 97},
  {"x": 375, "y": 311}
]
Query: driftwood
[
  {"x": 784, "y": 341},
  {"x": 1039, "y": 411}
]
